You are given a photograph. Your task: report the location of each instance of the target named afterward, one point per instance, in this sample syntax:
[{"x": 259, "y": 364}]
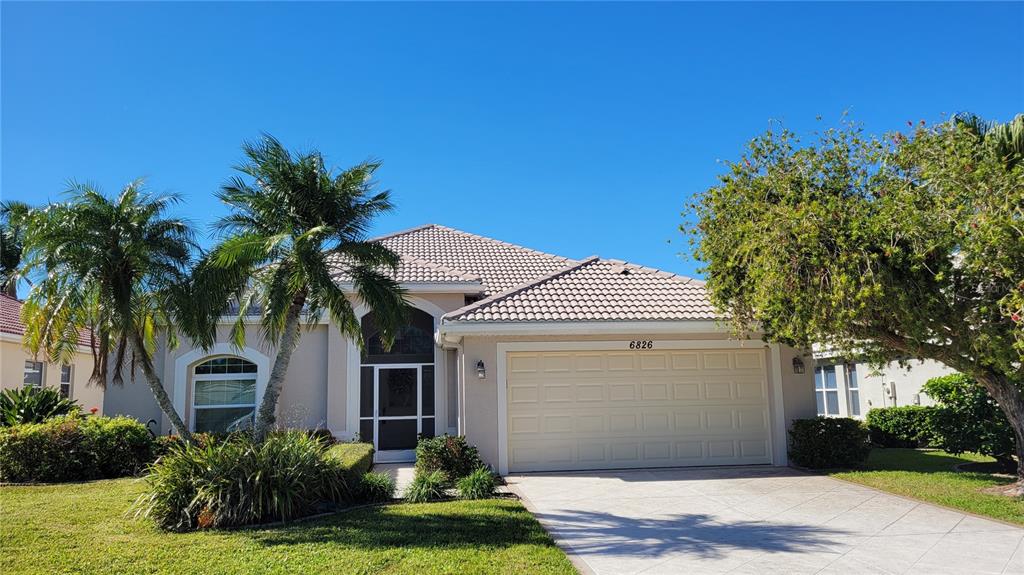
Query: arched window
[
  {"x": 396, "y": 403},
  {"x": 223, "y": 395}
]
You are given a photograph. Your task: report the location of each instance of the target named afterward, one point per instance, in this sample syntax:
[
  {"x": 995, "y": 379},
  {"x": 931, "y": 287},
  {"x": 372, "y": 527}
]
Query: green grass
[
  {"x": 83, "y": 528},
  {"x": 929, "y": 476}
]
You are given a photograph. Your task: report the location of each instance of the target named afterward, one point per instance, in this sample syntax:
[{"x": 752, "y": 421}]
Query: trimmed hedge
[
  {"x": 71, "y": 448},
  {"x": 355, "y": 458},
  {"x": 905, "y": 426},
  {"x": 828, "y": 442}
]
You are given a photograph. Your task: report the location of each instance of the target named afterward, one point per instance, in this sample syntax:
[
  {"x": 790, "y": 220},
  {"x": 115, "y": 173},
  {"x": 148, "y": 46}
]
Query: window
[
  {"x": 65, "y": 380},
  {"x": 826, "y": 391},
  {"x": 224, "y": 395},
  {"x": 33, "y": 373},
  {"x": 852, "y": 388}
]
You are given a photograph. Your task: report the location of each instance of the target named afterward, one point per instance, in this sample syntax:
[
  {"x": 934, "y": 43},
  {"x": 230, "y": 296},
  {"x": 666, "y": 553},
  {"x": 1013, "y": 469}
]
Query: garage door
[{"x": 628, "y": 409}]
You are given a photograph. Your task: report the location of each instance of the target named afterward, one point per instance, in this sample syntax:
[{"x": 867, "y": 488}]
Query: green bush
[
  {"x": 70, "y": 448},
  {"x": 828, "y": 442},
  {"x": 427, "y": 486},
  {"x": 33, "y": 405},
  {"x": 239, "y": 481},
  {"x": 479, "y": 484},
  {"x": 376, "y": 487},
  {"x": 450, "y": 454},
  {"x": 355, "y": 459},
  {"x": 906, "y": 426},
  {"x": 968, "y": 419}
]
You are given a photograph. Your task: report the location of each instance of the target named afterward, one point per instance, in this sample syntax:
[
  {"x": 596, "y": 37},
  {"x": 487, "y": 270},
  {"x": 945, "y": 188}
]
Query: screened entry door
[{"x": 402, "y": 409}]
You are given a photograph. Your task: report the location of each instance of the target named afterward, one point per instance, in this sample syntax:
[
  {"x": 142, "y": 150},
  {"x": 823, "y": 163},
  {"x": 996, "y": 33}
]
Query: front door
[{"x": 397, "y": 389}]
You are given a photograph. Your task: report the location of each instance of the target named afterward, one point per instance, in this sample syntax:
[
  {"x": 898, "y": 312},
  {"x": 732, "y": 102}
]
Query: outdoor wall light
[
  {"x": 481, "y": 371},
  {"x": 798, "y": 365}
]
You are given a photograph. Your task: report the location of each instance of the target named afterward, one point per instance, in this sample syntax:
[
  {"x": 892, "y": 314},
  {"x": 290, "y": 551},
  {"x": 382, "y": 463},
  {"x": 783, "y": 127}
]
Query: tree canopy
[{"x": 903, "y": 246}]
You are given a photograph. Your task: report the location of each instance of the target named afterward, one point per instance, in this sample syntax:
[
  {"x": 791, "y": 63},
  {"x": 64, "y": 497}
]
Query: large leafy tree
[
  {"x": 12, "y": 240},
  {"x": 115, "y": 266},
  {"x": 295, "y": 228},
  {"x": 909, "y": 246}
]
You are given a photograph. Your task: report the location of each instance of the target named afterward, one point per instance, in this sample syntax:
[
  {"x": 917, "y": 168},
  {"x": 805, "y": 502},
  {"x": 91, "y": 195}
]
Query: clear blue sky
[{"x": 571, "y": 128}]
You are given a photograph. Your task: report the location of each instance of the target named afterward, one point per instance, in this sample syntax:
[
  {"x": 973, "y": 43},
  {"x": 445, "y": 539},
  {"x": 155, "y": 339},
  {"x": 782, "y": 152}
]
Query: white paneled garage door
[{"x": 627, "y": 409}]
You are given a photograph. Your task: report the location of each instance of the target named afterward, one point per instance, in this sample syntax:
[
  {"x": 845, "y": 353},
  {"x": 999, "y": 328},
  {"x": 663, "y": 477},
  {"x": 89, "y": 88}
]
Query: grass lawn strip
[
  {"x": 86, "y": 528},
  {"x": 929, "y": 476}
]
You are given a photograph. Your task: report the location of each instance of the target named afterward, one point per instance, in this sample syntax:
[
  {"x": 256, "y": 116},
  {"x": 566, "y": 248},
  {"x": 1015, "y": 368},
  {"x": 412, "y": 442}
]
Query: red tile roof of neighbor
[{"x": 10, "y": 320}]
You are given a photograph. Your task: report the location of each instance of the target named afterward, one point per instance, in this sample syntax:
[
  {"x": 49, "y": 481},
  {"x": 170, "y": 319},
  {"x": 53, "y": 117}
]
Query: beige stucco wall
[
  {"x": 479, "y": 418},
  {"x": 315, "y": 390},
  {"x": 12, "y": 370}
]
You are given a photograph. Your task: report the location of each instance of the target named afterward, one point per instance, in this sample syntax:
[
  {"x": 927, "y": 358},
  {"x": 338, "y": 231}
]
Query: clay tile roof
[
  {"x": 596, "y": 290},
  {"x": 498, "y": 265},
  {"x": 10, "y": 320},
  {"x": 412, "y": 270}
]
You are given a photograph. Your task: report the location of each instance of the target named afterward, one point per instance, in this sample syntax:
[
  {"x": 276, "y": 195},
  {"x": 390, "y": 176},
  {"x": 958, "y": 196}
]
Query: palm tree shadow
[{"x": 695, "y": 534}]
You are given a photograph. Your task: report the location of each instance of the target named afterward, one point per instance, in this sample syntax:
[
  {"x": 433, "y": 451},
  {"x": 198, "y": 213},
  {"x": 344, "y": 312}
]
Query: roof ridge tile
[{"x": 521, "y": 288}]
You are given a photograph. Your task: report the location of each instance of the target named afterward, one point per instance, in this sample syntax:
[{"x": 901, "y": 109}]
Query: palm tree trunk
[
  {"x": 159, "y": 393},
  {"x": 266, "y": 416}
]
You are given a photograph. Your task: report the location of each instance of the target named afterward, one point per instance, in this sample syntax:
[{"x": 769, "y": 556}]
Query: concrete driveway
[{"x": 757, "y": 520}]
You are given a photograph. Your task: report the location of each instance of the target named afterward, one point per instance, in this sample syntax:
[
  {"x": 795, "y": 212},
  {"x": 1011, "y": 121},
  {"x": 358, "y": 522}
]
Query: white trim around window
[{"x": 185, "y": 362}]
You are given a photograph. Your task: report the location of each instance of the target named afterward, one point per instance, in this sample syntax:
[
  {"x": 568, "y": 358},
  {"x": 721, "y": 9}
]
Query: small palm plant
[
  {"x": 33, "y": 405},
  {"x": 117, "y": 267},
  {"x": 294, "y": 227}
]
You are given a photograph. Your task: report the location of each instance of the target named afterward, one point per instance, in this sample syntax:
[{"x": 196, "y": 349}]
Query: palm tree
[
  {"x": 12, "y": 239},
  {"x": 116, "y": 266},
  {"x": 294, "y": 226},
  {"x": 1005, "y": 140}
]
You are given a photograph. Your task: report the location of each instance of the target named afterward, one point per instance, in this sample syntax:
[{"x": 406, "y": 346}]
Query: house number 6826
[{"x": 641, "y": 344}]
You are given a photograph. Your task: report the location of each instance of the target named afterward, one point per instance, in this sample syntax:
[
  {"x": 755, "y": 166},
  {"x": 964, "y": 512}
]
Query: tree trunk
[
  {"x": 1011, "y": 400},
  {"x": 159, "y": 393},
  {"x": 266, "y": 416},
  {"x": 11, "y": 289}
]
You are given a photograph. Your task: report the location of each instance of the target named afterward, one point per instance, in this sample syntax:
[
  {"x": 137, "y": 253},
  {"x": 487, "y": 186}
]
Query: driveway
[{"x": 757, "y": 520}]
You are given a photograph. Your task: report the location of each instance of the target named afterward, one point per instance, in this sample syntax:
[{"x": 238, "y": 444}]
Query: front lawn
[
  {"x": 83, "y": 528},
  {"x": 929, "y": 476}
]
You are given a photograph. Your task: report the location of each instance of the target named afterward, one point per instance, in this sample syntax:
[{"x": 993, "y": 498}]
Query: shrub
[
  {"x": 239, "y": 481},
  {"x": 427, "y": 486},
  {"x": 827, "y": 442},
  {"x": 479, "y": 484},
  {"x": 355, "y": 459},
  {"x": 33, "y": 405},
  {"x": 968, "y": 419},
  {"x": 450, "y": 454},
  {"x": 906, "y": 426},
  {"x": 376, "y": 487},
  {"x": 70, "y": 448}
]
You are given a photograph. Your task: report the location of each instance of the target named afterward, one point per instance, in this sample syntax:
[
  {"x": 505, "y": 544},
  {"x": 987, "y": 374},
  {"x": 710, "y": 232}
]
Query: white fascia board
[
  {"x": 451, "y": 287},
  {"x": 582, "y": 327}
]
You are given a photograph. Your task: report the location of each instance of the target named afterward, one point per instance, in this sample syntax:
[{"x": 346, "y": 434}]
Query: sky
[{"x": 571, "y": 128}]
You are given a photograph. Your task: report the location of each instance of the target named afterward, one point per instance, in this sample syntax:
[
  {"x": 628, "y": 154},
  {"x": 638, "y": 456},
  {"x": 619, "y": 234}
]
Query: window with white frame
[
  {"x": 826, "y": 390},
  {"x": 33, "y": 373},
  {"x": 852, "y": 388},
  {"x": 223, "y": 395},
  {"x": 65, "y": 380}
]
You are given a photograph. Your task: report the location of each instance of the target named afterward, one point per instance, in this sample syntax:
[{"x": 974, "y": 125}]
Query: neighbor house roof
[
  {"x": 10, "y": 320},
  {"x": 595, "y": 290},
  {"x": 500, "y": 266}
]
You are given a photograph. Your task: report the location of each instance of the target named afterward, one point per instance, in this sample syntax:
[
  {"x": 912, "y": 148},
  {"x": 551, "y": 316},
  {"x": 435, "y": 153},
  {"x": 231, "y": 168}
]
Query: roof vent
[{"x": 620, "y": 269}]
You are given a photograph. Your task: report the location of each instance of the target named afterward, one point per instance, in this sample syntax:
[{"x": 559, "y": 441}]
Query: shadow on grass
[
  {"x": 924, "y": 461},
  {"x": 488, "y": 524}
]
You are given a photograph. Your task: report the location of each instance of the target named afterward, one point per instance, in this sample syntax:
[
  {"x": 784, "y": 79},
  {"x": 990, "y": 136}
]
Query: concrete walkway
[
  {"x": 758, "y": 520},
  {"x": 402, "y": 473}
]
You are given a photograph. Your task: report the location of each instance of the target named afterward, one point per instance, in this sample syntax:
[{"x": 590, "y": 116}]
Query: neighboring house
[
  {"x": 18, "y": 368},
  {"x": 846, "y": 388},
  {"x": 543, "y": 362}
]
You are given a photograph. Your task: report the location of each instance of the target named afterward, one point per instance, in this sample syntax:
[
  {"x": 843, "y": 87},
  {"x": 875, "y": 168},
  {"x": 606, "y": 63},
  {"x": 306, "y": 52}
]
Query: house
[
  {"x": 19, "y": 368},
  {"x": 543, "y": 362},
  {"x": 849, "y": 388}
]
